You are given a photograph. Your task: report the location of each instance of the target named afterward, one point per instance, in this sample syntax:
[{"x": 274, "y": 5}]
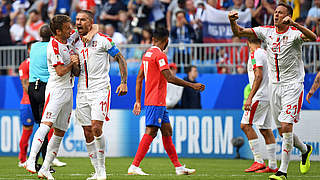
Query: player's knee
[
  {"x": 152, "y": 131},
  {"x": 97, "y": 130},
  {"x": 28, "y": 127},
  {"x": 88, "y": 133},
  {"x": 286, "y": 127}
]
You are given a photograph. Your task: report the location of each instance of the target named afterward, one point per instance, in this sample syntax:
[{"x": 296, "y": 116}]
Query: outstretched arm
[
  {"x": 258, "y": 74},
  {"x": 174, "y": 80},
  {"x": 236, "y": 29},
  {"x": 122, "y": 88},
  {"x": 137, "y": 105},
  {"x": 314, "y": 87}
]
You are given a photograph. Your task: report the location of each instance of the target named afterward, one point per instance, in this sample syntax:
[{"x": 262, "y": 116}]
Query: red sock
[
  {"x": 24, "y": 144},
  {"x": 50, "y": 133},
  {"x": 171, "y": 150},
  {"x": 142, "y": 149}
]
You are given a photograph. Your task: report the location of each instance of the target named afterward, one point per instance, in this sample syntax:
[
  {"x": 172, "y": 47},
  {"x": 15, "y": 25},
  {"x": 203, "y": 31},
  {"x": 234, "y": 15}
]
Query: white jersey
[
  {"x": 94, "y": 62},
  {"x": 284, "y": 54},
  {"x": 258, "y": 58},
  {"x": 59, "y": 54}
]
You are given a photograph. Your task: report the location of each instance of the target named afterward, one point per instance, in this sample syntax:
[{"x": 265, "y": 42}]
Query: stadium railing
[{"x": 209, "y": 58}]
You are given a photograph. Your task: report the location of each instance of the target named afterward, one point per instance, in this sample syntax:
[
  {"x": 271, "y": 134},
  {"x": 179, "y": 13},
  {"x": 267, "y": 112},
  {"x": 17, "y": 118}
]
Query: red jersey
[
  {"x": 24, "y": 74},
  {"x": 153, "y": 62}
]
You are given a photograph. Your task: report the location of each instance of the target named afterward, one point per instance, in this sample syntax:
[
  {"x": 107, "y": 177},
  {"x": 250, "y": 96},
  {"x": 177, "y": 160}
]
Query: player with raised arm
[
  {"x": 63, "y": 64},
  {"x": 257, "y": 109},
  {"x": 155, "y": 71},
  {"x": 286, "y": 72},
  {"x": 94, "y": 89}
]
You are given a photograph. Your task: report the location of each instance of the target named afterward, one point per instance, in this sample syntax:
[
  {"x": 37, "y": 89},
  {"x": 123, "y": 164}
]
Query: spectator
[
  {"x": 191, "y": 99},
  {"x": 295, "y": 4},
  {"x": 110, "y": 12},
  {"x": 182, "y": 33},
  {"x": 174, "y": 92},
  {"x": 17, "y": 29},
  {"x": 238, "y": 56},
  {"x": 117, "y": 37},
  {"x": 4, "y": 29},
  {"x": 174, "y": 7},
  {"x": 313, "y": 15},
  {"x": 237, "y": 6},
  {"x": 194, "y": 20},
  {"x": 78, "y": 5},
  {"x": 32, "y": 27},
  {"x": 255, "y": 21},
  {"x": 222, "y": 65},
  {"x": 125, "y": 26}
]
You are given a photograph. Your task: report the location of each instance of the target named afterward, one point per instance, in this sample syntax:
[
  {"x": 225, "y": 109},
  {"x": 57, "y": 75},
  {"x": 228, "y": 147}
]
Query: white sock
[
  {"x": 92, "y": 151},
  {"x": 37, "y": 141},
  {"x": 254, "y": 145},
  {"x": 271, "y": 150},
  {"x": 287, "y": 145},
  {"x": 101, "y": 146},
  {"x": 52, "y": 151},
  {"x": 298, "y": 144}
]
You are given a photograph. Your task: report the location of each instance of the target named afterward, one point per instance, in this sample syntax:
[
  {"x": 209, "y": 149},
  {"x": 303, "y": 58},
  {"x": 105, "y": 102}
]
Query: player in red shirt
[
  {"x": 26, "y": 116},
  {"x": 155, "y": 70}
]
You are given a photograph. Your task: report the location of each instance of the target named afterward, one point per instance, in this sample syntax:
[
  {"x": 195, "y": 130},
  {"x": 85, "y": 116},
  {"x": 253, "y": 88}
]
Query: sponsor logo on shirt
[
  {"x": 162, "y": 62},
  {"x": 94, "y": 43}
]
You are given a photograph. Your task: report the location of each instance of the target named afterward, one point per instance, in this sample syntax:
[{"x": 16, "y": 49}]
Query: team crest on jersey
[
  {"x": 48, "y": 116},
  {"x": 159, "y": 120},
  {"x": 94, "y": 43}
]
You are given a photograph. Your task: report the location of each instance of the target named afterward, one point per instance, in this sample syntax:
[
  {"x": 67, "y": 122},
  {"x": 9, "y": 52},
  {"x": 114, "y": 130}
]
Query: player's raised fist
[
  {"x": 136, "y": 108},
  {"x": 233, "y": 15},
  {"x": 198, "y": 86},
  {"x": 287, "y": 20}
]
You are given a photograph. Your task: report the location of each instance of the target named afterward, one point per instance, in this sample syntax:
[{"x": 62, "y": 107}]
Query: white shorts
[
  {"x": 260, "y": 115},
  {"x": 58, "y": 107},
  {"x": 93, "y": 106},
  {"x": 286, "y": 102}
]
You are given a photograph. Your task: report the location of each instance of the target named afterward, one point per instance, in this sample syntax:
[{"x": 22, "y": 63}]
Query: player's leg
[
  {"x": 27, "y": 122},
  {"x": 152, "y": 125},
  {"x": 248, "y": 119}
]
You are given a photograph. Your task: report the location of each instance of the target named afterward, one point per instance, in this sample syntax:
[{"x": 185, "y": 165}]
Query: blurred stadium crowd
[{"x": 132, "y": 21}]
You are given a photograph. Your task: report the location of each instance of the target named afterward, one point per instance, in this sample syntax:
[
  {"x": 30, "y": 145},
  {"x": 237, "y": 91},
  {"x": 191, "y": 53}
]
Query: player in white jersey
[
  {"x": 284, "y": 45},
  {"x": 62, "y": 65},
  {"x": 259, "y": 113},
  {"x": 93, "y": 97}
]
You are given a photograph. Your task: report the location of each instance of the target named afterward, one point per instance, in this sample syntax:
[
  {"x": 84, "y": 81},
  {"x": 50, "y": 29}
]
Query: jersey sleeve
[
  {"x": 56, "y": 56},
  {"x": 23, "y": 70},
  {"x": 162, "y": 61},
  {"x": 109, "y": 45},
  {"x": 297, "y": 35},
  {"x": 259, "y": 32},
  {"x": 258, "y": 59}
]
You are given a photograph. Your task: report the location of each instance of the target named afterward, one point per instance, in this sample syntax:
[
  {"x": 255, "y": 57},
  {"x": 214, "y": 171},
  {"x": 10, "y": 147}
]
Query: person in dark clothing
[{"x": 191, "y": 99}]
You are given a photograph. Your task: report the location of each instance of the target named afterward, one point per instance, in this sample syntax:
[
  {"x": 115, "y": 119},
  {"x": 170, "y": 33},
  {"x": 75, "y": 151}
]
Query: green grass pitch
[{"x": 159, "y": 168}]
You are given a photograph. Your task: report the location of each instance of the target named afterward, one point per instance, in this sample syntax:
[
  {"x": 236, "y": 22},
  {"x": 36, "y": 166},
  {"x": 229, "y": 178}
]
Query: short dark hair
[
  {"x": 160, "y": 33},
  {"x": 254, "y": 40},
  {"x": 57, "y": 22},
  {"x": 89, "y": 13},
  {"x": 289, "y": 8},
  {"x": 34, "y": 11},
  {"x": 45, "y": 32},
  {"x": 189, "y": 68},
  {"x": 30, "y": 43}
]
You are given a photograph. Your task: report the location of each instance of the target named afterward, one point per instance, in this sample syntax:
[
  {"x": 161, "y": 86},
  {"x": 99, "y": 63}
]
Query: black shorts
[{"x": 36, "y": 93}]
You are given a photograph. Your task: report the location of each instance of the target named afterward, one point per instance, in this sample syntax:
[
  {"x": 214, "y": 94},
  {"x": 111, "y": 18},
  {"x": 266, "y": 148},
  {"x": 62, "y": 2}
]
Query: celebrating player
[
  {"x": 155, "y": 70},
  {"x": 259, "y": 113},
  {"x": 286, "y": 72},
  {"x": 93, "y": 97}
]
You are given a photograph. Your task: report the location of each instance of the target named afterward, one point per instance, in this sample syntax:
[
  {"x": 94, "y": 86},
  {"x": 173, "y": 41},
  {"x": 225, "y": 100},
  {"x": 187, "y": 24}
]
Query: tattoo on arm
[
  {"x": 123, "y": 67},
  {"x": 316, "y": 83}
]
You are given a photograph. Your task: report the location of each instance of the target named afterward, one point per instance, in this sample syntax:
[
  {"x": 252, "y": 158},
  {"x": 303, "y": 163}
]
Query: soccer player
[
  {"x": 286, "y": 72},
  {"x": 257, "y": 109},
  {"x": 58, "y": 104},
  {"x": 315, "y": 86},
  {"x": 93, "y": 97},
  {"x": 155, "y": 70},
  {"x": 26, "y": 116}
]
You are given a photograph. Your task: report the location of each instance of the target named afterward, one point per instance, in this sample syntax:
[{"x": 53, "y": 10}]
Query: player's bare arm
[
  {"x": 137, "y": 104},
  {"x": 236, "y": 29},
  {"x": 315, "y": 86},
  {"x": 76, "y": 65},
  {"x": 174, "y": 80},
  {"x": 122, "y": 88},
  {"x": 258, "y": 74},
  {"x": 94, "y": 30},
  {"x": 25, "y": 84},
  {"x": 61, "y": 70},
  {"x": 307, "y": 34}
]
